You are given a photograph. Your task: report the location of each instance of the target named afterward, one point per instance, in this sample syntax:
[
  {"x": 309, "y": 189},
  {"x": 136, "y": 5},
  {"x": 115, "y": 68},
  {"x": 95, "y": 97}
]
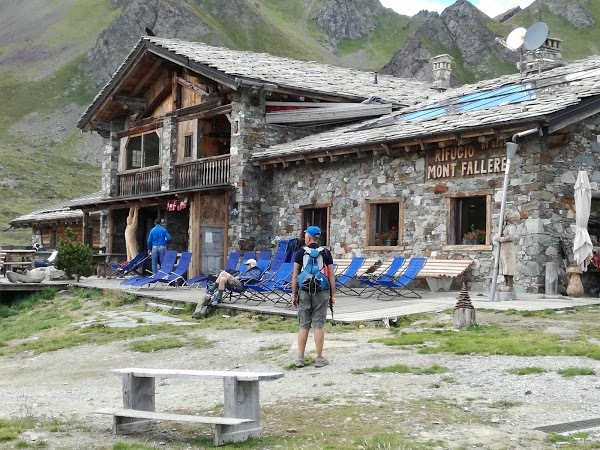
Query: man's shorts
[
  {"x": 235, "y": 284},
  {"x": 312, "y": 309}
]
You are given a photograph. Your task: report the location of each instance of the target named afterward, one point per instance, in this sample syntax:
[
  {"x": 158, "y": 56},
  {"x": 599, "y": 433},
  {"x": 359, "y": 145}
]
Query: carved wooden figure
[{"x": 131, "y": 233}]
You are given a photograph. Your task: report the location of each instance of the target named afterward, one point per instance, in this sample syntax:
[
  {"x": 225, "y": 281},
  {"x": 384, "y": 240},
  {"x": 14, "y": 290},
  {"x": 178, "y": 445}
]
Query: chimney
[
  {"x": 442, "y": 69},
  {"x": 548, "y": 56}
]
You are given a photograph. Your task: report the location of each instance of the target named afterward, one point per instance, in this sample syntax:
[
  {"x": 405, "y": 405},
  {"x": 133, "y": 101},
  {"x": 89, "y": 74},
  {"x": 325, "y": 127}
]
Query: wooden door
[{"x": 212, "y": 249}]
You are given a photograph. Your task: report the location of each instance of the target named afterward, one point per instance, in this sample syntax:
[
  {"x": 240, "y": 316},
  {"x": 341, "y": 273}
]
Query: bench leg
[
  {"x": 435, "y": 284},
  {"x": 241, "y": 401},
  {"x": 138, "y": 393}
]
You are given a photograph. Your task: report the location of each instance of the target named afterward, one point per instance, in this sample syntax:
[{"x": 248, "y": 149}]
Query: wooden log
[{"x": 463, "y": 318}]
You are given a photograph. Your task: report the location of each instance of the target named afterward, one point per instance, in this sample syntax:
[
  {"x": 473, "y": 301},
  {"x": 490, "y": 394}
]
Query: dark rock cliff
[
  {"x": 347, "y": 19},
  {"x": 164, "y": 17},
  {"x": 460, "y": 31}
]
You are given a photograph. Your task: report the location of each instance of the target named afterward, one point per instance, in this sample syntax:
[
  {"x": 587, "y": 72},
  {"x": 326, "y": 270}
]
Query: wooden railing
[
  {"x": 145, "y": 181},
  {"x": 202, "y": 172}
]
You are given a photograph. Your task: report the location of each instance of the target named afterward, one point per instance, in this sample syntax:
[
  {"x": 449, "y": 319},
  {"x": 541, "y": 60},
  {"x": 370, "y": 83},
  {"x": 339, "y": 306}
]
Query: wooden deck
[
  {"x": 347, "y": 309},
  {"x": 352, "y": 309}
]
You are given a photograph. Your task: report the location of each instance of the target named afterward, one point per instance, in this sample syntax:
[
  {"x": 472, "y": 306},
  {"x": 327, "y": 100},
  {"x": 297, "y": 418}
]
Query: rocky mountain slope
[{"x": 54, "y": 57}]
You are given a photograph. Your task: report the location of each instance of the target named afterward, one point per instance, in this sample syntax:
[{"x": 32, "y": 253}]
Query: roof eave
[{"x": 506, "y": 131}]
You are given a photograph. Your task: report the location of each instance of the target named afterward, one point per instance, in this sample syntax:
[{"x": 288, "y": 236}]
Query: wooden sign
[{"x": 465, "y": 161}]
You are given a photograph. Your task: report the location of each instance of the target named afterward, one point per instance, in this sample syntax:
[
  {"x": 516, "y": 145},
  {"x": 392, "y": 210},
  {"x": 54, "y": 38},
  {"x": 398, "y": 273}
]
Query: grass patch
[
  {"x": 526, "y": 370},
  {"x": 201, "y": 342},
  {"x": 157, "y": 344},
  {"x": 495, "y": 340},
  {"x": 575, "y": 372},
  {"x": 10, "y": 429},
  {"x": 274, "y": 347},
  {"x": 505, "y": 404},
  {"x": 131, "y": 446},
  {"x": 402, "y": 368}
]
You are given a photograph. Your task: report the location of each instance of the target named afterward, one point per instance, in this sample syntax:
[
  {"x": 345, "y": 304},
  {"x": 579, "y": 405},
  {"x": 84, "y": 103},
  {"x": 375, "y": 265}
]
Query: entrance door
[{"x": 212, "y": 249}]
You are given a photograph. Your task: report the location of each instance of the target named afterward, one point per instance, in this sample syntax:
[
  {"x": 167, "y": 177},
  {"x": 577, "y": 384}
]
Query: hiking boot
[
  {"x": 300, "y": 362},
  {"x": 321, "y": 362}
]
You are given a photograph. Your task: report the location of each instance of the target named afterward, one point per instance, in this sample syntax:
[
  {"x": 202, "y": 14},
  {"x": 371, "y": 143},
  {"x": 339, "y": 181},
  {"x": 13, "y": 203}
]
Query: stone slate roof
[
  {"x": 56, "y": 213},
  {"x": 239, "y": 67},
  {"x": 556, "y": 91},
  {"x": 291, "y": 73}
]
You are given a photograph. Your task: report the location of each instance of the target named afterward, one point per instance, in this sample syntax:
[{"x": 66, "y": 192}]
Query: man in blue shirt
[{"x": 157, "y": 244}]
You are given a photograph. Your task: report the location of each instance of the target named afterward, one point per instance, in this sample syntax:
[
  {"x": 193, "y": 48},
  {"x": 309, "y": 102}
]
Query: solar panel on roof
[{"x": 475, "y": 101}]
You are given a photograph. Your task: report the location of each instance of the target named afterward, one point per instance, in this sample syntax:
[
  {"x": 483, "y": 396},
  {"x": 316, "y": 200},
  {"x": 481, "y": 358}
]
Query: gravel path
[{"x": 69, "y": 384}]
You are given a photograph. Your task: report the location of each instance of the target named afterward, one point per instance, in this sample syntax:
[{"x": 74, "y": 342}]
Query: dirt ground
[{"x": 497, "y": 410}]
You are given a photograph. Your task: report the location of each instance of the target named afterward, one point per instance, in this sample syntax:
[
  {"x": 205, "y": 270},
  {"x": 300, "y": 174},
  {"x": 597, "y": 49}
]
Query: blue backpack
[{"x": 312, "y": 278}]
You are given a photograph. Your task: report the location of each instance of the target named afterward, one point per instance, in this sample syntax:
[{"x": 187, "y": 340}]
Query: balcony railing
[
  {"x": 145, "y": 181},
  {"x": 203, "y": 172}
]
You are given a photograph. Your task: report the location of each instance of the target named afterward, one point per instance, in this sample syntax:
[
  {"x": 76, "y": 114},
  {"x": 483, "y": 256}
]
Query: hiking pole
[{"x": 331, "y": 309}]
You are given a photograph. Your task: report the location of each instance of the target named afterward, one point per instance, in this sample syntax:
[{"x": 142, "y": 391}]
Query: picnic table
[{"x": 16, "y": 260}]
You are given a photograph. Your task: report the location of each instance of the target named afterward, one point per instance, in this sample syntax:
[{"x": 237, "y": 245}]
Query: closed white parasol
[{"x": 582, "y": 244}]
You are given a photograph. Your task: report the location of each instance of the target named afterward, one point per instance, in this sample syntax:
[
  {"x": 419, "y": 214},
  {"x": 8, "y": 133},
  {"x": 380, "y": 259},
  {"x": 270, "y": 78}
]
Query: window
[
  {"x": 384, "y": 222},
  {"x": 143, "y": 151},
  {"x": 188, "y": 145},
  {"x": 469, "y": 219},
  {"x": 318, "y": 216}
]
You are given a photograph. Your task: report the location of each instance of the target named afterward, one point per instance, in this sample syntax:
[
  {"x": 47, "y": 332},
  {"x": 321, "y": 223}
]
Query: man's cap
[
  {"x": 313, "y": 230},
  {"x": 250, "y": 262}
]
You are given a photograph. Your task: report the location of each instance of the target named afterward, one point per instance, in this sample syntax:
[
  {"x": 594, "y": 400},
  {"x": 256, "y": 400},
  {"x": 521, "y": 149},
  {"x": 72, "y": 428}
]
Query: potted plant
[
  {"x": 387, "y": 238},
  {"x": 468, "y": 238},
  {"x": 479, "y": 237}
]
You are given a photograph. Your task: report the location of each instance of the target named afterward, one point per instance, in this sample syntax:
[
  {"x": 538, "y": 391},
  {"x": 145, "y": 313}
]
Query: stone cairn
[{"x": 464, "y": 311}]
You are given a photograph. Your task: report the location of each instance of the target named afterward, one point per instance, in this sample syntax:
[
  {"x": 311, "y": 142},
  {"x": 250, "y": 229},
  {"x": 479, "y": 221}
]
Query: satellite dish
[
  {"x": 515, "y": 39},
  {"x": 535, "y": 36}
]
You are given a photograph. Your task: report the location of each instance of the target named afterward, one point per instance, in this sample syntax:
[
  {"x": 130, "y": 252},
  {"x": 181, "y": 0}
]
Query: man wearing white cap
[
  {"x": 225, "y": 279},
  {"x": 314, "y": 296}
]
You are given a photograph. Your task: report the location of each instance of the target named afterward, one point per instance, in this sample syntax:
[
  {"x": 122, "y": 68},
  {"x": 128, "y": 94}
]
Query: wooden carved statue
[
  {"x": 131, "y": 233},
  {"x": 508, "y": 258}
]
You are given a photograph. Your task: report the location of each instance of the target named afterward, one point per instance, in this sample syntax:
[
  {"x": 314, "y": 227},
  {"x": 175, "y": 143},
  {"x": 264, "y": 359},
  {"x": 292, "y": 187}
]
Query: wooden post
[
  {"x": 138, "y": 393},
  {"x": 464, "y": 312},
  {"x": 242, "y": 402}
]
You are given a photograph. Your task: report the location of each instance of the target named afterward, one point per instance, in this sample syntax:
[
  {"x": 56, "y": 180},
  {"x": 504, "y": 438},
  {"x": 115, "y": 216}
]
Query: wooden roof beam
[
  {"x": 100, "y": 126},
  {"x": 131, "y": 103},
  {"x": 192, "y": 87},
  {"x": 162, "y": 95},
  {"x": 146, "y": 77}
]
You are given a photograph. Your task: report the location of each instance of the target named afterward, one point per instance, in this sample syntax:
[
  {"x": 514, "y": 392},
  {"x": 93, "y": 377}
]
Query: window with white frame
[
  {"x": 384, "y": 222},
  {"x": 469, "y": 219},
  {"x": 142, "y": 151}
]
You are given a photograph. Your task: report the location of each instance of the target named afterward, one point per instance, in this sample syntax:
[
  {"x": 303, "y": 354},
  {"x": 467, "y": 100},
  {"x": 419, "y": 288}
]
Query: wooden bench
[
  {"x": 439, "y": 273},
  {"x": 242, "y": 404}
]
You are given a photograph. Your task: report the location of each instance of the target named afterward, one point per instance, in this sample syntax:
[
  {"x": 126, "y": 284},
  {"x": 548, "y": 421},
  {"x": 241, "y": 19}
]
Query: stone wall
[
  {"x": 541, "y": 187},
  {"x": 252, "y": 198}
]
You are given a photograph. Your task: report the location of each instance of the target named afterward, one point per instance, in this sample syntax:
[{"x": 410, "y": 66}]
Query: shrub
[{"x": 74, "y": 258}]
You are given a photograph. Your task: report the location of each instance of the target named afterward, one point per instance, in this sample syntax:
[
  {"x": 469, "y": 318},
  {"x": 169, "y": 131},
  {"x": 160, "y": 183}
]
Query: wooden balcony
[
  {"x": 203, "y": 172},
  {"x": 144, "y": 181}
]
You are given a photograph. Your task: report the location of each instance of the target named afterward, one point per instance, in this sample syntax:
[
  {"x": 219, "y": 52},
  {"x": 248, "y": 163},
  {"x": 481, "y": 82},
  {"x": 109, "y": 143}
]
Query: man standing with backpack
[{"x": 313, "y": 287}]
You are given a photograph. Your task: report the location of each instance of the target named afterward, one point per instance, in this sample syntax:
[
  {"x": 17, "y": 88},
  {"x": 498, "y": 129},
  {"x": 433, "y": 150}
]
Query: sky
[{"x": 490, "y": 7}]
